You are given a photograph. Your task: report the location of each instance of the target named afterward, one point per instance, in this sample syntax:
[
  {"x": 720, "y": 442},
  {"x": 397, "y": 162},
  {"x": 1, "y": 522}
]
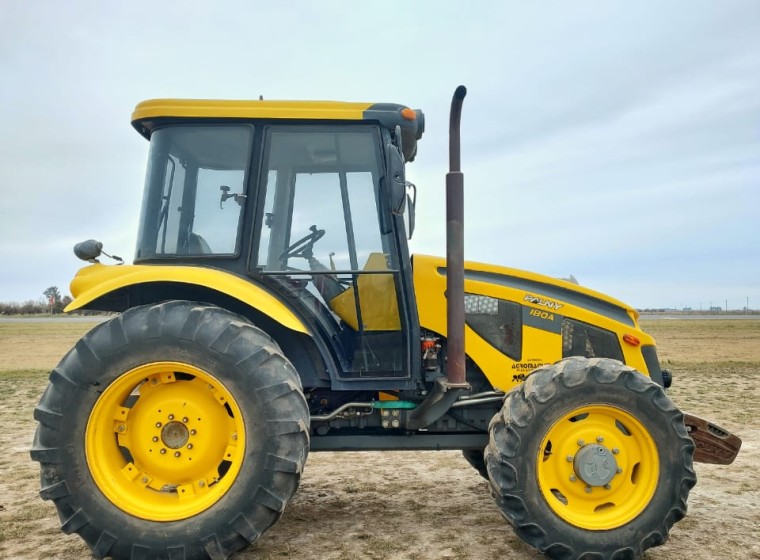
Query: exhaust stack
[
  {"x": 455, "y": 249},
  {"x": 447, "y": 390}
]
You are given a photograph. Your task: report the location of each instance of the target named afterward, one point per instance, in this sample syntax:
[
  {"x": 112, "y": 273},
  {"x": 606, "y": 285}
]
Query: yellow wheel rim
[
  {"x": 165, "y": 441},
  {"x": 597, "y": 467}
]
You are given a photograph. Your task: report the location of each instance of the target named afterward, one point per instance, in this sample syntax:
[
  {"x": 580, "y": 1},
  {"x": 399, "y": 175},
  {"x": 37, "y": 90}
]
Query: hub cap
[{"x": 595, "y": 465}]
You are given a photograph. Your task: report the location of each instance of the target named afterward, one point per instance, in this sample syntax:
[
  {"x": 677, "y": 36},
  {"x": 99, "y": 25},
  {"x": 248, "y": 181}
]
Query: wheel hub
[
  {"x": 595, "y": 465},
  {"x": 175, "y": 435}
]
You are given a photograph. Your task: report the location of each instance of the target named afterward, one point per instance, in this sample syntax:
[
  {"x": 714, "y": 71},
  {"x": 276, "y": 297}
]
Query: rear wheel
[
  {"x": 590, "y": 458},
  {"x": 173, "y": 430}
]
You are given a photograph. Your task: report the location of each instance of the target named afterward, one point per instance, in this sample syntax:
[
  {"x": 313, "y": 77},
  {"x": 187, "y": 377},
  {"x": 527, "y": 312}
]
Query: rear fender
[{"x": 96, "y": 283}]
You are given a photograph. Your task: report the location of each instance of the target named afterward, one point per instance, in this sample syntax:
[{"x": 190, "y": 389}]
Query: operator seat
[{"x": 377, "y": 296}]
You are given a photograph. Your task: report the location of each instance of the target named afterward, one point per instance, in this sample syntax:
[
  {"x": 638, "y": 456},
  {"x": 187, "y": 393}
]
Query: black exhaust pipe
[
  {"x": 455, "y": 249},
  {"x": 448, "y": 389}
]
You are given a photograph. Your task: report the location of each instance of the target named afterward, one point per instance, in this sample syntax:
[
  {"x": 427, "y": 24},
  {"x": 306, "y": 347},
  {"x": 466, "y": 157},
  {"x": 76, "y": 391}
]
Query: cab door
[{"x": 321, "y": 241}]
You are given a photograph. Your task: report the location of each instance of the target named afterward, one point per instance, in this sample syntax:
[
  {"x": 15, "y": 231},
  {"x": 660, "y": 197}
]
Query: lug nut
[
  {"x": 615, "y": 451},
  {"x": 581, "y": 443},
  {"x": 573, "y": 478},
  {"x": 145, "y": 480},
  {"x": 177, "y": 454},
  {"x": 599, "y": 439},
  {"x": 158, "y": 424},
  {"x": 607, "y": 487},
  {"x": 189, "y": 445},
  {"x": 121, "y": 428},
  {"x": 588, "y": 489},
  {"x": 192, "y": 432},
  {"x": 155, "y": 439},
  {"x": 171, "y": 417},
  {"x": 570, "y": 458},
  {"x": 185, "y": 419},
  {"x": 619, "y": 470},
  {"x": 163, "y": 451}
]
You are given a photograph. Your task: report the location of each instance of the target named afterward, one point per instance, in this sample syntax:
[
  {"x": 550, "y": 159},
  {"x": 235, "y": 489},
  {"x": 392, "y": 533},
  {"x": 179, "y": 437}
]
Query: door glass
[{"x": 321, "y": 241}]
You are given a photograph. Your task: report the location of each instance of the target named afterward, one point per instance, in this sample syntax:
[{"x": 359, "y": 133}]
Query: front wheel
[
  {"x": 173, "y": 430},
  {"x": 589, "y": 458}
]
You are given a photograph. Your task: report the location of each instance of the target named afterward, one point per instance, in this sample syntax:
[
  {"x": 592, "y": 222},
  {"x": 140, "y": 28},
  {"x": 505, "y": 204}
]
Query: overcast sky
[{"x": 615, "y": 141}]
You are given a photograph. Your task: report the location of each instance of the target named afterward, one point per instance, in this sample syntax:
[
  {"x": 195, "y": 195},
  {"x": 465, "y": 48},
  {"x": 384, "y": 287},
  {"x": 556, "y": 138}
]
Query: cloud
[{"x": 617, "y": 142}]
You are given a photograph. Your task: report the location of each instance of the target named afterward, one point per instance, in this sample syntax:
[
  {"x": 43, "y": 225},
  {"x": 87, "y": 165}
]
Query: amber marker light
[
  {"x": 408, "y": 114},
  {"x": 630, "y": 339}
]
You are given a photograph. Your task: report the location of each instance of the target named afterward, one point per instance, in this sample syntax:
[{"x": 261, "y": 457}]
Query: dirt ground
[{"x": 417, "y": 505}]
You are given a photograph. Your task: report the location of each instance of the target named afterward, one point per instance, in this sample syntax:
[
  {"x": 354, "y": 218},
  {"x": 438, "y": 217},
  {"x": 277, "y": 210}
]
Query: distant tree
[{"x": 53, "y": 295}]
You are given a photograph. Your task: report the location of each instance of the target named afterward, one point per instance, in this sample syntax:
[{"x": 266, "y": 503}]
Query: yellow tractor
[{"x": 273, "y": 309}]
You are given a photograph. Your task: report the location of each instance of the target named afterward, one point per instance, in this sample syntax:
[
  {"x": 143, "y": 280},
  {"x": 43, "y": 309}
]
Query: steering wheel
[{"x": 303, "y": 247}]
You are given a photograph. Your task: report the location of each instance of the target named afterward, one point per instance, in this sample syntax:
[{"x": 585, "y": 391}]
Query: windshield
[{"x": 194, "y": 191}]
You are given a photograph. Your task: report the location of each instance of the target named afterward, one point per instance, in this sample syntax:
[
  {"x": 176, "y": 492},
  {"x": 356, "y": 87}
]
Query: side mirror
[{"x": 396, "y": 179}]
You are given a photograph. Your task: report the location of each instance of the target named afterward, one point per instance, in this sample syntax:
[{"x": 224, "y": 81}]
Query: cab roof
[{"x": 150, "y": 114}]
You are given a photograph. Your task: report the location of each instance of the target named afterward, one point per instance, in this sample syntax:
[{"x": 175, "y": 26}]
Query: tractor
[{"x": 273, "y": 309}]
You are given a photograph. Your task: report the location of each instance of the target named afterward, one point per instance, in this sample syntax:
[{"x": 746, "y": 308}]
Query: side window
[{"x": 194, "y": 190}]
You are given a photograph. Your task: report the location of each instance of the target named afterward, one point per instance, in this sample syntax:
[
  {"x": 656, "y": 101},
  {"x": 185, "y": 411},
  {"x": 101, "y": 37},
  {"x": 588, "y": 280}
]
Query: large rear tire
[
  {"x": 176, "y": 430},
  {"x": 590, "y": 459}
]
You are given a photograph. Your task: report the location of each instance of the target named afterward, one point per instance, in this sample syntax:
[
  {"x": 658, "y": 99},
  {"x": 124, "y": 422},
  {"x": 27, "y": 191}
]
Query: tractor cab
[{"x": 307, "y": 199}]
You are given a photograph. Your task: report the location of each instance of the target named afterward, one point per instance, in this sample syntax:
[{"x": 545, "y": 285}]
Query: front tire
[
  {"x": 173, "y": 430},
  {"x": 589, "y": 458}
]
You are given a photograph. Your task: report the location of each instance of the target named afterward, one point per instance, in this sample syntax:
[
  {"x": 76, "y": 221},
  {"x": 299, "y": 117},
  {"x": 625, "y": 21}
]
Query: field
[{"x": 411, "y": 505}]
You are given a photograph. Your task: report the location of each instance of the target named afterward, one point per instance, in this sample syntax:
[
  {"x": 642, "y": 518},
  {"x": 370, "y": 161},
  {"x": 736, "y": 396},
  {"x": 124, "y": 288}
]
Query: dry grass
[{"x": 416, "y": 506}]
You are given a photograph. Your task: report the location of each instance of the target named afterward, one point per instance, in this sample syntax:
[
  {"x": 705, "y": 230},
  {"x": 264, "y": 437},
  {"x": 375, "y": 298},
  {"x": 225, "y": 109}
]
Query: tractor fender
[{"x": 98, "y": 280}]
